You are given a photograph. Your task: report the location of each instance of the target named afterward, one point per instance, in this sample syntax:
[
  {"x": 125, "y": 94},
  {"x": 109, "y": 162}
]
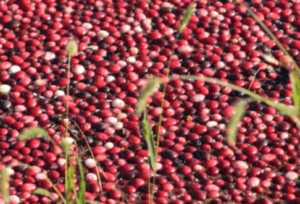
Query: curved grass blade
[
  {"x": 4, "y": 190},
  {"x": 32, "y": 132},
  {"x": 146, "y": 92},
  {"x": 270, "y": 34},
  {"x": 82, "y": 185},
  {"x": 56, "y": 190},
  {"x": 295, "y": 80},
  {"x": 149, "y": 139},
  {"x": 43, "y": 192},
  {"x": 92, "y": 154},
  {"x": 283, "y": 108},
  {"x": 186, "y": 18},
  {"x": 232, "y": 128}
]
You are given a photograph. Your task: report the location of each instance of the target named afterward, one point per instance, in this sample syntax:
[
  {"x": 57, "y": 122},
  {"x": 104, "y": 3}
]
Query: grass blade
[
  {"x": 92, "y": 154},
  {"x": 65, "y": 146},
  {"x": 4, "y": 190},
  {"x": 283, "y": 108},
  {"x": 295, "y": 80},
  {"x": 32, "y": 132},
  {"x": 232, "y": 128},
  {"x": 56, "y": 190},
  {"x": 186, "y": 18},
  {"x": 270, "y": 34},
  {"x": 149, "y": 139},
  {"x": 150, "y": 88},
  {"x": 82, "y": 182},
  {"x": 43, "y": 192},
  {"x": 70, "y": 181}
]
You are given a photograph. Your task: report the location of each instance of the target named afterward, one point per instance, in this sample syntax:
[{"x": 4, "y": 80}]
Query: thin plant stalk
[
  {"x": 92, "y": 154},
  {"x": 184, "y": 21},
  {"x": 270, "y": 34},
  {"x": 56, "y": 190},
  {"x": 72, "y": 48}
]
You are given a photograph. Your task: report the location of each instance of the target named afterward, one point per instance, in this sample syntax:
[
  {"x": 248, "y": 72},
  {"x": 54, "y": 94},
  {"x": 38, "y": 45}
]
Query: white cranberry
[
  {"x": 13, "y": 199},
  {"x": 88, "y": 26},
  {"x": 109, "y": 145},
  {"x": 78, "y": 69},
  {"x": 14, "y": 69},
  {"x": 118, "y": 125},
  {"x": 131, "y": 59},
  {"x": 121, "y": 116},
  {"x": 110, "y": 79},
  {"x": 118, "y": 103},
  {"x": 41, "y": 176},
  {"x": 59, "y": 93},
  {"x": 69, "y": 140},
  {"x": 4, "y": 88},
  {"x": 90, "y": 163},
  {"x": 91, "y": 178},
  {"x": 211, "y": 124},
  {"x": 103, "y": 33},
  {"x": 291, "y": 175},
  {"x": 138, "y": 29},
  {"x": 61, "y": 162},
  {"x": 111, "y": 120},
  {"x": 48, "y": 56}
]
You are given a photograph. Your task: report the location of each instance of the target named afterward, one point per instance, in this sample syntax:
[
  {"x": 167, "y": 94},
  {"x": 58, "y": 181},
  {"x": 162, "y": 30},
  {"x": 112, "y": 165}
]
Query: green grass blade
[
  {"x": 92, "y": 154},
  {"x": 82, "y": 182},
  {"x": 283, "y": 108},
  {"x": 56, "y": 190},
  {"x": 93, "y": 201},
  {"x": 43, "y": 192},
  {"x": 70, "y": 181},
  {"x": 4, "y": 190},
  {"x": 151, "y": 85},
  {"x": 32, "y": 132},
  {"x": 270, "y": 34},
  {"x": 65, "y": 146},
  {"x": 295, "y": 80},
  {"x": 149, "y": 139},
  {"x": 232, "y": 128},
  {"x": 186, "y": 18}
]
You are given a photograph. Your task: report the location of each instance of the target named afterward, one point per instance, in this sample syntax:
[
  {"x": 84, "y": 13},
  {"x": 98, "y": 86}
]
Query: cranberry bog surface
[{"x": 157, "y": 102}]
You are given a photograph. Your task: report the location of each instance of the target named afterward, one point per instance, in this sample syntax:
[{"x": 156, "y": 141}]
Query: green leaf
[
  {"x": 4, "y": 190},
  {"x": 186, "y": 18},
  {"x": 146, "y": 92},
  {"x": 232, "y": 128},
  {"x": 149, "y": 139},
  {"x": 43, "y": 192},
  {"x": 82, "y": 182},
  {"x": 72, "y": 48},
  {"x": 33, "y": 132},
  {"x": 65, "y": 146},
  {"x": 295, "y": 80}
]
